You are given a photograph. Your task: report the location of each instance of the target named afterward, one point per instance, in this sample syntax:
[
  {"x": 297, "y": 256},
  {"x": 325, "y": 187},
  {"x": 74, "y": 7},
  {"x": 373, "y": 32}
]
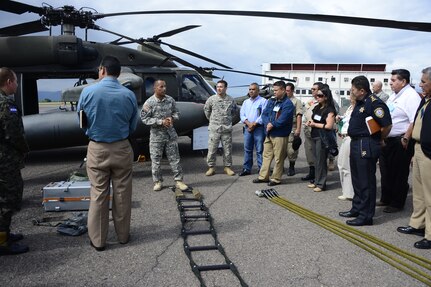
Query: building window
[
  {"x": 295, "y": 79},
  {"x": 385, "y": 81},
  {"x": 333, "y": 79},
  {"x": 307, "y": 79},
  {"x": 372, "y": 80},
  {"x": 297, "y": 92},
  {"x": 303, "y": 92},
  {"x": 341, "y": 93},
  {"x": 348, "y": 93},
  {"x": 320, "y": 79},
  {"x": 346, "y": 80}
]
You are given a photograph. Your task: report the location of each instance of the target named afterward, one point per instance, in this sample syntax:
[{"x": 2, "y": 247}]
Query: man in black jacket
[{"x": 420, "y": 220}]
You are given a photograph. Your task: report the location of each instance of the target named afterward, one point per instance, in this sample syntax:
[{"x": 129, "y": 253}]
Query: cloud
[{"x": 244, "y": 43}]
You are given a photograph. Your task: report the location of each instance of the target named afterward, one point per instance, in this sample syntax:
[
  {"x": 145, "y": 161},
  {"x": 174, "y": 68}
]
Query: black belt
[
  {"x": 107, "y": 142},
  {"x": 391, "y": 139},
  {"x": 354, "y": 138}
]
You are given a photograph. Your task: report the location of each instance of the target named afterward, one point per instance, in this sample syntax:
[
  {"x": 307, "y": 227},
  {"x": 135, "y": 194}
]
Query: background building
[{"x": 337, "y": 76}]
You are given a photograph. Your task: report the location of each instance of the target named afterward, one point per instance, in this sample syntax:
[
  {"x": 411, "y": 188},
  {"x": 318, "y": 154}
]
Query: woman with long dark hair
[{"x": 322, "y": 119}]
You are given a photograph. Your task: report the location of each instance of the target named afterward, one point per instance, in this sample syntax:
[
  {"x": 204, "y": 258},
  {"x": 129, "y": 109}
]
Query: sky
[{"x": 244, "y": 43}]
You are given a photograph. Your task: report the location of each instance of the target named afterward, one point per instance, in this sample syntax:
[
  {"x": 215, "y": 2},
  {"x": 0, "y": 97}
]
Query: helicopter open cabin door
[{"x": 170, "y": 80}]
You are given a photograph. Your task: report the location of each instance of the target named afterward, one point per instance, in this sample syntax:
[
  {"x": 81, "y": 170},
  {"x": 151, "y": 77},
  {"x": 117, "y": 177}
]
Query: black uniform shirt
[{"x": 369, "y": 106}]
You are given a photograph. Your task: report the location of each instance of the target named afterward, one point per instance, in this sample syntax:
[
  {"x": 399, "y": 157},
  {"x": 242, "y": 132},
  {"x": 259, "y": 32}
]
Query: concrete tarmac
[{"x": 269, "y": 245}]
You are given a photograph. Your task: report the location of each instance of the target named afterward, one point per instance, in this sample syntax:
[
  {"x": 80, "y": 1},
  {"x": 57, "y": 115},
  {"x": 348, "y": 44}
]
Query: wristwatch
[{"x": 404, "y": 139}]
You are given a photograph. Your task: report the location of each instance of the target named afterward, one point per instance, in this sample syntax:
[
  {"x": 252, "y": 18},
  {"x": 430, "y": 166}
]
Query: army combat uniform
[
  {"x": 13, "y": 148},
  {"x": 162, "y": 138},
  {"x": 220, "y": 112}
]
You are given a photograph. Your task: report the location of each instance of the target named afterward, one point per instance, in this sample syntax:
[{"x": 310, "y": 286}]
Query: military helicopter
[{"x": 68, "y": 57}]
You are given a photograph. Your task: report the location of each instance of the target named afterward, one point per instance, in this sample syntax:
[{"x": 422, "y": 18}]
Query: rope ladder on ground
[
  {"x": 193, "y": 210},
  {"x": 365, "y": 241}
]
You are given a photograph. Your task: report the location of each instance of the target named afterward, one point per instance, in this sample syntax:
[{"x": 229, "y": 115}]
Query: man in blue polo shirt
[{"x": 112, "y": 115}]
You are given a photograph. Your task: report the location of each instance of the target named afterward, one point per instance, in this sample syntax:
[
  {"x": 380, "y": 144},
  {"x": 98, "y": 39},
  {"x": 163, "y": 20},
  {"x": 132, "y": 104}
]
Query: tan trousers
[
  {"x": 308, "y": 146},
  {"x": 421, "y": 216},
  {"x": 273, "y": 148},
  {"x": 292, "y": 154},
  {"x": 109, "y": 162}
]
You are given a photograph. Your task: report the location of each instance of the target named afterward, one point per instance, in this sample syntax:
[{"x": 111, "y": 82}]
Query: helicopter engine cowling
[{"x": 66, "y": 50}]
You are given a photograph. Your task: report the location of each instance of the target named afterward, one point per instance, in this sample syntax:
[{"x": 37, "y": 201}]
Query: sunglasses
[{"x": 320, "y": 95}]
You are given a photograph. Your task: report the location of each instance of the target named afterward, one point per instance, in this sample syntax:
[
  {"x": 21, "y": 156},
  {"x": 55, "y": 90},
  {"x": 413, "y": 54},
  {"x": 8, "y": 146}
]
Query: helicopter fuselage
[{"x": 36, "y": 58}]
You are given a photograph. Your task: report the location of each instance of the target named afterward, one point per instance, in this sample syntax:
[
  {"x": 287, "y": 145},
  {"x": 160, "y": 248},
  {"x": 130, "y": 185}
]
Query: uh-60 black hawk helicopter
[{"x": 68, "y": 57}]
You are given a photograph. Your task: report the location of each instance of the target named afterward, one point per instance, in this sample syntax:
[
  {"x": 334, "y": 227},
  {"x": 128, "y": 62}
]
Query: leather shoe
[
  {"x": 244, "y": 172},
  {"x": 359, "y": 222},
  {"x": 411, "y": 230},
  {"x": 391, "y": 209},
  {"x": 423, "y": 244},
  {"x": 257, "y": 180},
  {"x": 348, "y": 214},
  {"x": 102, "y": 248},
  {"x": 381, "y": 203},
  {"x": 272, "y": 183},
  {"x": 307, "y": 177},
  {"x": 14, "y": 237}
]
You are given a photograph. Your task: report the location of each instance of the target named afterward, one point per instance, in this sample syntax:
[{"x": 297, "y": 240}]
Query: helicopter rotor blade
[
  {"x": 19, "y": 8},
  {"x": 175, "y": 31},
  {"x": 253, "y": 74},
  {"x": 158, "y": 50},
  {"x": 173, "y": 47},
  {"x": 404, "y": 25},
  {"x": 24, "y": 28}
]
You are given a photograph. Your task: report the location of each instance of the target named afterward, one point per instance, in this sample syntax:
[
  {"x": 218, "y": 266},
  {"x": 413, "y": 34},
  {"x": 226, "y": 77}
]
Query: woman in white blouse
[{"x": 344, "y": 154}]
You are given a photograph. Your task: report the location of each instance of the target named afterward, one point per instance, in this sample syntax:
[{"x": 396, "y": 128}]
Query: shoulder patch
[
  {"x": 146, "y": 107},
  {"x": 373, "y": 98},
  {"x": 379, "y": 112}
]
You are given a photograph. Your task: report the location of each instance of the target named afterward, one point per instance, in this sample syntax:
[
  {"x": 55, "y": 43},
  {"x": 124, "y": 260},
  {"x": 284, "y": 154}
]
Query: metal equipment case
[{"x": 68, "y": 195}]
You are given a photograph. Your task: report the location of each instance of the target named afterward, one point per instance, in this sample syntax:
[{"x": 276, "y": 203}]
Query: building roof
[{"x": 329, "y": 67}]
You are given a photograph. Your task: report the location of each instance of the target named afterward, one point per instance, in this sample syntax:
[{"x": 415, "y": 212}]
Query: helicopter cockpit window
[
  {"x": 193, "y": 90},
  {"x": 149, "y": 86}
]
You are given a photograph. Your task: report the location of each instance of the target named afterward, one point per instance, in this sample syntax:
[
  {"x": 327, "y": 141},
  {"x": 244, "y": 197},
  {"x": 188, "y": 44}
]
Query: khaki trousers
[
  {"x": 292, "y": 154},
  {"x": 308, "y": 146},
  {"x": 421, "y": 216},
  {"x": 273, "y": 148},
  {"x": 109, "y": 162}
]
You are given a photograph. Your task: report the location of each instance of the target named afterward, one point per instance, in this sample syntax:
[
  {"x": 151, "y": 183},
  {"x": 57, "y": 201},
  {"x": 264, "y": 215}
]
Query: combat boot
[
  {"x": 310, "y": 175},
  {"x": 210, "y": 171},
  {"x": 291, "y": 171},
  {"x": 10, "y": 248},
  {"x": 179, "y": 193},
  {"x": 229, "y": 171},
  {"x": 157, "y": 186},
  {"x": 181, "y": 185}
]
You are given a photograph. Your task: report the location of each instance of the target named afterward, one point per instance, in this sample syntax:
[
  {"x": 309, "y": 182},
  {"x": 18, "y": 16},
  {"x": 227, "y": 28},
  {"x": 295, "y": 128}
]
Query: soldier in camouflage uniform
[
  {"x": 13, "y": 149},
  {"x": 159, "y": 112},
  {"x": 220, "y": 110}
]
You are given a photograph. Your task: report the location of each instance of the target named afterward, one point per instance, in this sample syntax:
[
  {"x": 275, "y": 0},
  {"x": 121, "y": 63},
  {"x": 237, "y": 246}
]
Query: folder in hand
[
  {"x": 82, "y": 119},
  {"x": 372, "y": 125}
]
